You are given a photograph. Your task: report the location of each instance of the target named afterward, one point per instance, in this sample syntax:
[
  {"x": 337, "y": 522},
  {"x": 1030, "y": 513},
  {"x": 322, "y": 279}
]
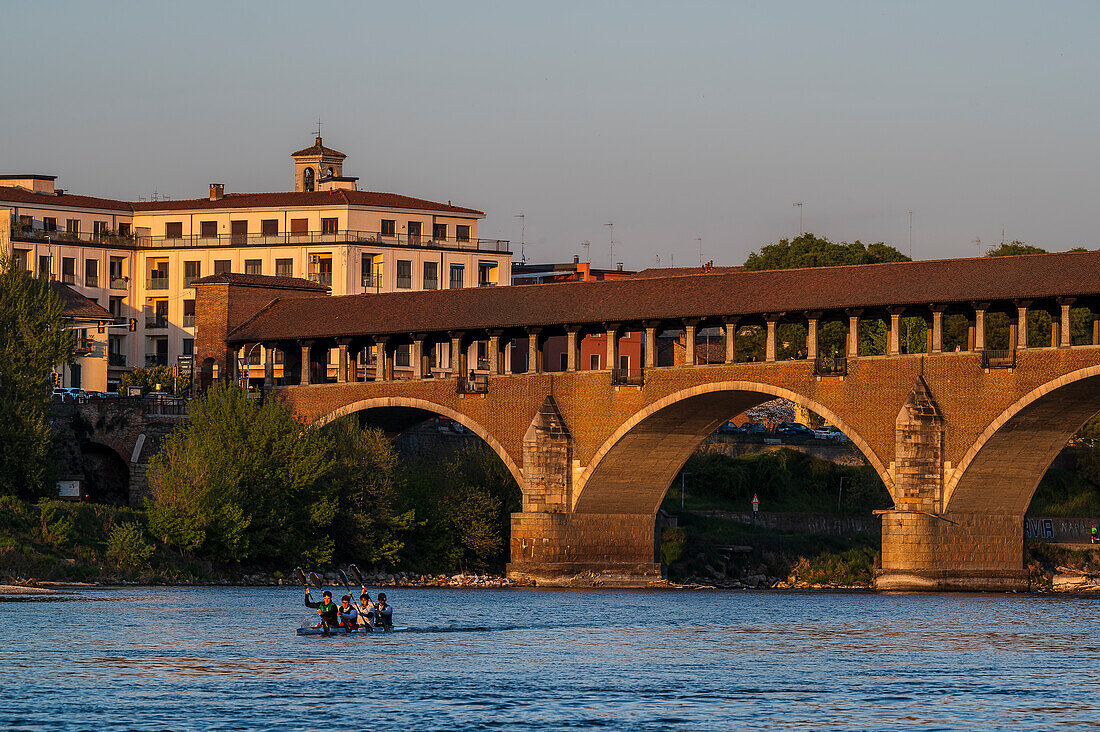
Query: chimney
[
  {"x": 620, "y": 267},
  {"x": 576, "y": 259},
  {"x": 217, "y": 191}
]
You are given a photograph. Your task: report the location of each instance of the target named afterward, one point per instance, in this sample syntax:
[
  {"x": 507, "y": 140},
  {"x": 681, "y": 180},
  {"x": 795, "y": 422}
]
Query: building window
[
  {"x": 439, "y": 232},
  {"x": 487, "y": 274},
  {"x": 253, "y": 266},
  {"x": 414, "y": 233},
  {"x": 238, "y": 232},
  {"x": 456, "y": 276},
  {"x": 462, "y": 233},
  {"x": 329, "y": 226},
  {"x": 624, "y": 363},
  {"x": 307, "y": 179},
  {"x": 173, "y": 230},
  {"x": 45, "y": 265},
  {"x": 114, "y": 304},
  {"x": 389, "y": 227},
  {"x": 49, "y": 223},
  {"x": 91, "y": 273},
  {"x": 594, "y": 362},
  {"x": 21, "y": 258},
  {"x": 404, "y": 274},
  {"x": 269, "y": 227},
  {"x": 100, "y": 228},
  {"x": 124, "y": 230},
  {"x": 68, "y": 270},
  {"x": 72, "y": 226},
  {"x": 222, "y": 266},
  {"x": 299, "y": 227},
  {"x": 188, "y": 347},
  {"x": 431, "y": 275},
  {"x": 208, "y": 229},
  {"x": 320, "y": 269},
  {"x": 188, "y": 313},
  {"x": 191, "y": 272},
  {"x": 284, "y": 267}
]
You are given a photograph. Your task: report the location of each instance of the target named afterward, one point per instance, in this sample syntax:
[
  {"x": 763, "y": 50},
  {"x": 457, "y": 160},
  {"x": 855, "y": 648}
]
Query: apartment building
[{"x": 138, "y": 259}]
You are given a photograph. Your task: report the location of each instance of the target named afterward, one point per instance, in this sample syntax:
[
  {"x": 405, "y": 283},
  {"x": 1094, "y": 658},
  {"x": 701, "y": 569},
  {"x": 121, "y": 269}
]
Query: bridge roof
[{"x": 872, "y": 286}]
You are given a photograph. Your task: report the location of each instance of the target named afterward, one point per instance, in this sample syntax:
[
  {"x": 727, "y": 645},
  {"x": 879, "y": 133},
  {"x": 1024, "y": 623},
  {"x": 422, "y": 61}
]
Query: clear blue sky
[{"x": 672, "y": 120}]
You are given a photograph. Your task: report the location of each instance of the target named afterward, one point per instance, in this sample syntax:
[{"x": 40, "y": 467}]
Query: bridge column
[
  {"x": 1096, "y": 328},
  {"x": 979, "y": 325},
  {"x": 494, "y": 352},
  {"x": 342, "y": 363},
  {"x": 853, "y": 332},
  {"x": 612, "y": 346},
  {"x": 689, "y": 341},
  {"x": 812, "y": 319},
  {"x": 770, "y": 345},
  {"x": 534, "y": 353},
  {"x": 650, "y": 346},
  {"x": 305, "y": 366},
  {"x": 1021, "y": 322},
  {"x": 893, "y": 339},
  {"x": 458, "y": 358},
  {"x": 1067, "y": 332},
  {"x": 269, "y": 366},
  {"x": 936, "y": 341},
  {"x": 571, "y": 349},
  {"x": 416, "y": 358},
  {"x": 1055, "y": 330}
]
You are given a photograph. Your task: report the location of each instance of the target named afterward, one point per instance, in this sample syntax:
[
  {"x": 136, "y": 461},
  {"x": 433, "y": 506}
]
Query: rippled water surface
[{"x": 183, "y": 658}]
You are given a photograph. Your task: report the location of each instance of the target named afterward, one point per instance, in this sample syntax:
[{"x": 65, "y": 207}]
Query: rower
[
  {"x": 366, "y": 609},
  {"x": 349, "y": 616},
  {"x": 326, "y": 609},
  {"x": 383, "y": 615}
]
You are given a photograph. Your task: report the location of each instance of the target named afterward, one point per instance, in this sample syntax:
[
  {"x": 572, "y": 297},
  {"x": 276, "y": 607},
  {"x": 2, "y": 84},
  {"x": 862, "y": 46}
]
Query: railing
[
  {"x": 830, "y": 366},
  {"x": 188, "y": 321},
  {"x": 476, "y": 384},
  {"x": 118, "y": 360},
  {"x": 153, "y": 359},
  {"x": 372, "y": 281},
  {"x": 322, "y": 278},
  {"x": 119, "y": 283},
  {"x": 998, "y": 359},
  {"x": 83, "y": 346},
  {"x": 156, "y": 283},
  {"x": 189, "y": 281},
  {"x": 486, "y": 283},
  {"x": 68, "y": 278},
  {"x": 91, "y": 280},
  {"x": 165, "y": 406},
  {"x": 627, "y": 377},
  {"x": 431, "y": 283},
  {"x": 156, "y": 323},
  {"x": 404, "y": 282},
  {"x": 262, "y": 240}
]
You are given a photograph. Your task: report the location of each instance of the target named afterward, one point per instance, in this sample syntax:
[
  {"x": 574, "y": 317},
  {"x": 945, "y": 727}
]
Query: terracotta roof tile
[
  {"x": 307, "y": 198},
  {"x": 318, "y": 149},
  {"x": 236, "y": 278},
  {"x": 12, "y": 194},
  {"x": 691, "y": 296},
  {"x": 684, "y": 271},
  {"x": 78, "y": 307}
]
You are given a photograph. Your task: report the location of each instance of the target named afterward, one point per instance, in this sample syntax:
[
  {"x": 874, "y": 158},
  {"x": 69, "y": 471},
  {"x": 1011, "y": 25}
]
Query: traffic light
[
  {"x": 55, "y": 379},
  {"x": 133, "y": 325},
  {"x": 102, "y": 327}
]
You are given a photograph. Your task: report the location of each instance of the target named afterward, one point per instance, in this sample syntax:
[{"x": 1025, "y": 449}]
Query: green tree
[
  {"x": 149, "y": 378},
  {"x": 243, "y": 481},
  {"x": 808, "y": 250},
  {"x": 363, "y": 479},
  {"x": 1014, "y": 247},
  {"x": 34, "y": 340}
]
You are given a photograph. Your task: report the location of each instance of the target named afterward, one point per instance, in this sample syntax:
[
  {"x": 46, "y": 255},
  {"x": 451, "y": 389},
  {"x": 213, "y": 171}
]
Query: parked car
[
  {"x": 70, "y": 394},
  {"x": 828, "y": 432},
  {"x": 752, "y": 428},
  {"x": 729, "y": 427},
  {"x": 793, "y": 429}
]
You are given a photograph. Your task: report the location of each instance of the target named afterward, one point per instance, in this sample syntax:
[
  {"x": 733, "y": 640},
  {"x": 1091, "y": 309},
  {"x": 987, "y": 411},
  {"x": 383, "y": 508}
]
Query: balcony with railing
[
  {"x": 83, "y": 347},
  {"x": 156, "y": 283},
  {"x": 628, "y": 377},
  {"x": 830, "y": 366},
  {"x": 189, "y": 321},
  {"x": 321, "y": 278},
  {"x": 117, "y": 360},
  {"x": 156, "y": 323},
  {"x": 475, "y": 384},
  {"x": 91, "y": 280},
  {"x": 119, "y": 283},
  {"x": 68, "y": 278},
  {"x": 156, "y": 359},
  {"x": 998, "y": 359},
  {"x": 372, "y": 281},
  {"x": 422, "y": 241}
]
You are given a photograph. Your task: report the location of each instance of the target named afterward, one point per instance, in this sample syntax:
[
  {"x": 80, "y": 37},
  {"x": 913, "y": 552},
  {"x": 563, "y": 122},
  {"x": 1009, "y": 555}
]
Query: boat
[{"x": 318, "y": 630}]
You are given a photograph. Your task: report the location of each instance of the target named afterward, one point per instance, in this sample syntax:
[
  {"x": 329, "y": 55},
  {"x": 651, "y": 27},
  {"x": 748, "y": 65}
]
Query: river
[{"x": 227, "y": 658}]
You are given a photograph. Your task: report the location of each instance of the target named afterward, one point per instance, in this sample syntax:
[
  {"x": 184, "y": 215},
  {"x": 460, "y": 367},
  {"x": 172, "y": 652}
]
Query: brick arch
[
  {"x": 426, "y": 406},
  {"x": 631, "y": 471},
  {"x": 1002, "y": 469}
]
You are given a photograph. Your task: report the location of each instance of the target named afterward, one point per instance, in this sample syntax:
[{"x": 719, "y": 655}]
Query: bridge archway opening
[
  {"x": 634, "y": 469},
  {"x": 106, "y": 475},
  {"x": 1001, "y": 472}
]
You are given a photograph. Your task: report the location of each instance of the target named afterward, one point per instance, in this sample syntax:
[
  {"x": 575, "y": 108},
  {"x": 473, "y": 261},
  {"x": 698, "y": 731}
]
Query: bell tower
[{"x": 316, "y": 163}]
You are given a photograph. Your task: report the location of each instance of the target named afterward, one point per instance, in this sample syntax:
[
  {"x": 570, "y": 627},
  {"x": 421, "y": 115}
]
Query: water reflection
[{"x": 217, "y": 658}]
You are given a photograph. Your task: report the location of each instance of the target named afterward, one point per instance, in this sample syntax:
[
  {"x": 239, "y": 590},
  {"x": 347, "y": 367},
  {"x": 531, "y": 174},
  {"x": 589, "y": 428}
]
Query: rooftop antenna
[
  {"x": 798, "y": 204},
  {"x": 522, "y": 233},
  {"x": 587, "y": 256},
  {"x": 658, "y": 260},
  {"x": 910, "y": 233},
  {"x": 977, "y": 240},
  {"x": 611, "y": 227},
  {"x": 318, "y": 128},
  {"x": 700, "y": 240}
]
